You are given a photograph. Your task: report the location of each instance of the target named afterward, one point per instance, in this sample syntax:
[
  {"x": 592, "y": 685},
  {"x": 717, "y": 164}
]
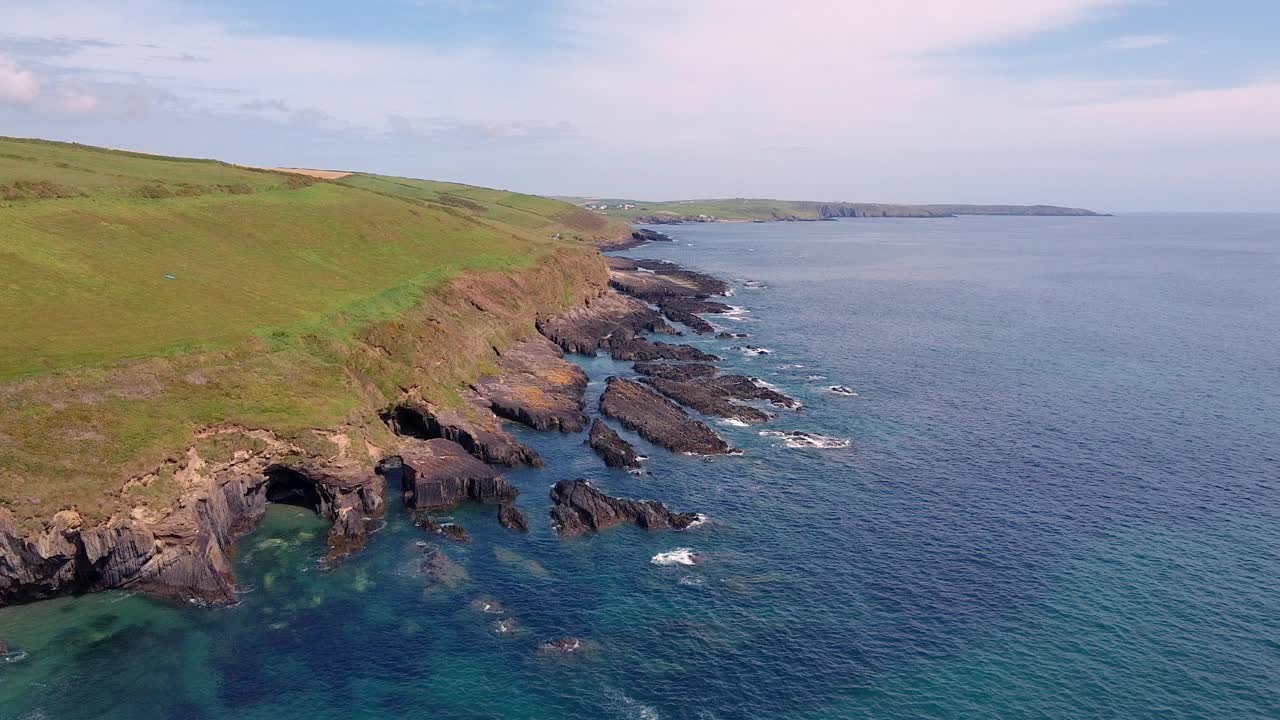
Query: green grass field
[{"x": 143, "y": 298}]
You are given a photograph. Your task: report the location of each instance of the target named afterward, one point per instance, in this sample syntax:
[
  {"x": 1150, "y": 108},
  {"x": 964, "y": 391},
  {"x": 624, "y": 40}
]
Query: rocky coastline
[{"x": 444, "y": 454}]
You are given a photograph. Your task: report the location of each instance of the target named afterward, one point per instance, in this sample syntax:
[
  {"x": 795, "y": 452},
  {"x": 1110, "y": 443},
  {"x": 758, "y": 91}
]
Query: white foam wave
[
  {"x": 733, "y": 422},
  {"x": 798, "y": 439},
  {"x": 702, "y": 520},
  {"x": 679, "y": 556},
  {"x": 842, "y": 390}
]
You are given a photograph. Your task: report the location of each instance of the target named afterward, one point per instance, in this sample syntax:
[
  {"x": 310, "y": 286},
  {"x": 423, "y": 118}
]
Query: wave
[
  {"x": 702, "y": 520},
  {"x": 798, "y": 439},
  {"x": 733, "y": 422},
  {"x": 752, "y": 350},
  {"x": 842, "y": 390},
  {"x": 679, "y": 556}
]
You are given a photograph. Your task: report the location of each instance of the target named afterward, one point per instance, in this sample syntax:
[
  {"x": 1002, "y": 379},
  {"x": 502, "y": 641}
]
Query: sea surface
[{"x": 1061, "y": 499}]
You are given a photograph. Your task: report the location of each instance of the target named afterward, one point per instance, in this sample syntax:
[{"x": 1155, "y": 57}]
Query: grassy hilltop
[
  {"x": 144, "y": 297},
  {"x": 765, "y": 210}
]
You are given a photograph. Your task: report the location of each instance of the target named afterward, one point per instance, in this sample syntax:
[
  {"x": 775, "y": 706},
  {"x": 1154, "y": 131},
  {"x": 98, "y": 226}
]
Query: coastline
[{"x": 230, "y": 473}]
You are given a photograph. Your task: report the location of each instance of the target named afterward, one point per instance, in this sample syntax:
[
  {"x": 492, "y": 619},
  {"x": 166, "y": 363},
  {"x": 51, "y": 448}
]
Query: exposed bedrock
[
  {"x": 579, "y": 508},
  {"x": 683, "y": 372},
  {"x": 656, "y": 280},
  {"x": 658, "y": 420},
  {"x": 687, "y": 310},
  {"x": 707, "y": 399},
  {"x": 183, "y": 552},
  {"x": 638, "y": 348},
  {"x": 609, "y": 318},
  {"x": 536, "y": 386},
  {"x": 439, "y": 474},
  {"x": 473, "y": 425},
  {"x": 615, "y": 451},
  {"x": 512, "y": 518},
  {"x": 637, "y": 238}
]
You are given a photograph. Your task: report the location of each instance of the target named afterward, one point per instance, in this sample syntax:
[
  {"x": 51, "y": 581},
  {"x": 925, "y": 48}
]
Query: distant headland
[{"x": 765, "y": 210}]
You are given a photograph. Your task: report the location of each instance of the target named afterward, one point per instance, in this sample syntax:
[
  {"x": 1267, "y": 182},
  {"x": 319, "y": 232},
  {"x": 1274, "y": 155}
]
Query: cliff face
[
  {"x": 224, "y": 477},
  {"x": 183, "y": 552}
]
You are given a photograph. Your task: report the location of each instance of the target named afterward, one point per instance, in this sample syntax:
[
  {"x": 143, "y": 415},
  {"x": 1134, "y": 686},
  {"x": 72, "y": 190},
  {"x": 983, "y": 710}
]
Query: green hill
[
  {"x": 145, "y": 297},
  {"x": 764, "y": 210}
]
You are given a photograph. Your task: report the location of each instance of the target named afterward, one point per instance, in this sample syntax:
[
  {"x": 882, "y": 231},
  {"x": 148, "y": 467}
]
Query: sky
[{"x": 1116, "y": 105}]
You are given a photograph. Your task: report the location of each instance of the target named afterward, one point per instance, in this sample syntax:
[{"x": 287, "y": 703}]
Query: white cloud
[
  {"x": 17, "y": 86},
  {"x": 1139, "y": 42},
  {"x": 700, "y": 90}
]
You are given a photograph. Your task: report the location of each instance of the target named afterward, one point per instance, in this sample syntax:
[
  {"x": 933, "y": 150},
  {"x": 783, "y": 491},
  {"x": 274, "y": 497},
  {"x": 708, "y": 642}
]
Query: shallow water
[{"x": 1060, "y": 500}]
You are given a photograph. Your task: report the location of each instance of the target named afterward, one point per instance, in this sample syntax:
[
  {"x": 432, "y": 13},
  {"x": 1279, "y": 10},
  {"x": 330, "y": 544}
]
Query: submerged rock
[
  {"x": 658, "y": 420},
  {"x": 561, "y": 646},
  {"x": 579, "y": 508},
  {"x": 615, "y": 451},
  {"x": 442, "y": 570},
  {"x": 439, "y": 474},
  {"x": 512, "y": 518},
  {"x": 536, "y": 386}
]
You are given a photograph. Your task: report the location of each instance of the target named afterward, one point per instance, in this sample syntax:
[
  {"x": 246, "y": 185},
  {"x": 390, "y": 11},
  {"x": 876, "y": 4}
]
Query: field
[
  {"x": 766, "y": 210},
  {"x": 143, "y": 298}
]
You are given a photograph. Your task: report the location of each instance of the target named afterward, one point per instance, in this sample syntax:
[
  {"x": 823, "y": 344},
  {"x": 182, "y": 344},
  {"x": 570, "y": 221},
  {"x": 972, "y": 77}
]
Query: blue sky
[{"x": 1112, "y": 104}]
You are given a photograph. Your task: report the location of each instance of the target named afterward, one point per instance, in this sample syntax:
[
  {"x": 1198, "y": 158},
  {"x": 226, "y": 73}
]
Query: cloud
[
  {"x": 666, "y": 97},
  {"x": 1139, "y": 42},
  {"x": 17, "y": 86}
]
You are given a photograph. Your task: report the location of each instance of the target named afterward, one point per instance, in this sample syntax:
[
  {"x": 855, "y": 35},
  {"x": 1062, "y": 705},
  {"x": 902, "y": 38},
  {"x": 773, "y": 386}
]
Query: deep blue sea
[{"x": 1061, "y": 500}]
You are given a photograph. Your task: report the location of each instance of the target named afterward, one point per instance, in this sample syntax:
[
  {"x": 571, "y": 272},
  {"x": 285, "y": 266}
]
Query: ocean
[{"x": 1059, "y": 499}]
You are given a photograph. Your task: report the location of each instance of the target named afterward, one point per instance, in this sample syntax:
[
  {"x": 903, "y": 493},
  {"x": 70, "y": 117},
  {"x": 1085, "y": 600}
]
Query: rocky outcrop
[
  {"x": 638, "y": 348},
  {"x": 184, "y": 552},
  {"x": 658, "y": 420},
  {"x": 512, "y": 518},
  {"x": 688, "y": 310},
  {"x": 472, "y": 424},
  {"x": 615, "y": 451},
  {"x": 637, "y": 238},
  {"x": 579, "y": 508},
  {"x": 609, "y": 318},
  {"x": 707, "y": 399},
  {"x": 536, "y": 386},
  {"x": 658, "y": 280},
  {"x": 439, "y": 474},
  {"x": 684, "y": 372}
]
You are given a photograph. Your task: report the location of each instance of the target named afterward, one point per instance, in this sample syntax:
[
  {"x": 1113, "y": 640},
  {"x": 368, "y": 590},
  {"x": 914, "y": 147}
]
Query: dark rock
[
  {"x": 610, "y": 318},
  {"x": 686, "y": 310},
  {"x": 579, "y": 508},
  {"x": 658, "y": 280},
  {"x": 473, "y": 425},
  {"x": 731, "y": 336},
  {"x": 683, "y": 373},
  {"x": 741, "y": 387},
  {"x": 536, "y": 386},
  {"x": 184, "y": 553},
  {"x": 645, "y": 350},
  {"x": 609, "y": 445},
  {"x": 4, "y": 647},
  {"x": 658, "y": 420},
  {"x": 439, "y": 474},
  {"x": 453, "y": 531},
  {"x": 707, "y": 399},
  {"x": 561, "y": 646},
  {"x": 512, "y": 518}
]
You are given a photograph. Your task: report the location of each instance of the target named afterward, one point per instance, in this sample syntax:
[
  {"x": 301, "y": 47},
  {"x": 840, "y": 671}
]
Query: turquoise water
[{"x": 1060, "y": 502}]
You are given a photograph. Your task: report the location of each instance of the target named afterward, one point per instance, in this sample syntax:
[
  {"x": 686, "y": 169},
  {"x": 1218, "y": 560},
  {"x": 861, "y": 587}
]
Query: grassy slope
[
  {"x": 293, "y": 306},
  {"x": 750, "y": 209}
]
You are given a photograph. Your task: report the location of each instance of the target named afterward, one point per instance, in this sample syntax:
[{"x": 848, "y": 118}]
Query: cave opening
[
  {"x": 290, "y": 487},
  {"x": 411, "y": 423}
]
